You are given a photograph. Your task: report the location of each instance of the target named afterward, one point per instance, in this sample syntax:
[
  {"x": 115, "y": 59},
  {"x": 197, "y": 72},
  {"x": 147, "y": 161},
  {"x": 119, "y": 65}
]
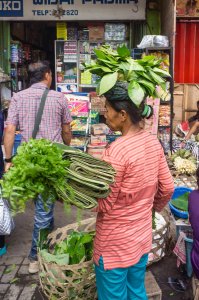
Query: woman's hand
[{"x": 8, "y": 166}]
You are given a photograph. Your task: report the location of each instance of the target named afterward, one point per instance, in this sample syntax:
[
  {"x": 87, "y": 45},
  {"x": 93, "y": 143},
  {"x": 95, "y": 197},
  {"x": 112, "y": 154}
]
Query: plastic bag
[
  {"x": 6, "y": 220},
  {"x": 154, "y": 41}
]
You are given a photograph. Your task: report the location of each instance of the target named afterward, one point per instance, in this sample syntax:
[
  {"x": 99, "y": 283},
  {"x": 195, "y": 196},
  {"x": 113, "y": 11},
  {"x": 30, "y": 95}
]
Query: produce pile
[
  {"x": 55, "y": 171},
  {"x": 184, "y": 162},
  {"x": 181, "y": 202},
  {"x": 142, "y": 75},
  {"x": 76, "y": 248}
]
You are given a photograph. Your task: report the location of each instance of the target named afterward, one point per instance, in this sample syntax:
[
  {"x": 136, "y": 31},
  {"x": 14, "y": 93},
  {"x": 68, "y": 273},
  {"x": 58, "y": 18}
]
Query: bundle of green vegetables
[
  {"x": 55, "y": 171},
  {"x": 89, "y": 177},
  {"x": 142, "y": 75},
  {"x": 38, "y": 168}
]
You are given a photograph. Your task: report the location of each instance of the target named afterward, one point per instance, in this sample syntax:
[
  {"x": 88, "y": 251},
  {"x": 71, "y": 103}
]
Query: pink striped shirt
[
  {"x": 124, "y": 220},
  {"x": 24, "y": 107}
]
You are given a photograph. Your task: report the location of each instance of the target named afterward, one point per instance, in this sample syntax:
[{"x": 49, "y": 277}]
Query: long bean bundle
[
  {"x": 87, "y": 176},
  {"x": 55, "y": 171}
]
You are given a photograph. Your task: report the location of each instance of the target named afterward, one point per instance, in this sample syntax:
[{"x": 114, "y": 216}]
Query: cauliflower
[{"x": 184, "y": 166}]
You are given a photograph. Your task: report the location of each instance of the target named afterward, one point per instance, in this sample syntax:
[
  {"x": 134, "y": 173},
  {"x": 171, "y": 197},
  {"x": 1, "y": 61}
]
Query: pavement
[
  {"x": 17, "y": 284},
  {"x": 15, "y": 281}
]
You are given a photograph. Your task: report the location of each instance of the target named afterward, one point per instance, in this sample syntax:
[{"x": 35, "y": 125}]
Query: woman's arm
[
  {"x": 165, "y": 185},
  {"x": 107, "y": 204}
]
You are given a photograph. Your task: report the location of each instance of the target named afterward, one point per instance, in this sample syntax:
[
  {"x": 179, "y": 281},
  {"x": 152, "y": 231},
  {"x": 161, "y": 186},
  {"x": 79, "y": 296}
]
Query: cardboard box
[
  {"x": 99, "y": 129},
  {"x": 98, "y": 140},
  {"x": 96, "y": 32},
  {"x": 98, "y": 104}
]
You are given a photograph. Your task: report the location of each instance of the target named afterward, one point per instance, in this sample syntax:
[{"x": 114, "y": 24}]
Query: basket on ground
[
  {"x": 68, "y": 281},
  {"x": 160, "y": 238}
]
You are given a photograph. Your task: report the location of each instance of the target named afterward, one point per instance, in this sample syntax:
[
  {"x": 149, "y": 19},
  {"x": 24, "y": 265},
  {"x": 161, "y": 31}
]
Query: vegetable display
[
  {"x": 76, "y": 248},
  {"x": 184, "y": 162},
  {"x": 142, "y": 75},
  {"x": 55, "y": 171},
  {"x": 181, "y": 202}
]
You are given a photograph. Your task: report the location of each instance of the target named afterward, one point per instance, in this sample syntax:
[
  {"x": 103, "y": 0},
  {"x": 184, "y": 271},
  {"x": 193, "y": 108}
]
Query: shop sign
[
  {"x": 11, "y": 8},
  {"x": 71, "y": 10}
]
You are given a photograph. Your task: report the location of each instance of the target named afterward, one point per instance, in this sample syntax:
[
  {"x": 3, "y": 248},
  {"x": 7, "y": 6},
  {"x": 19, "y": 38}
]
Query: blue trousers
[
  {"x": 121, "y": 283},
  {"x": 43, "y": 219}
]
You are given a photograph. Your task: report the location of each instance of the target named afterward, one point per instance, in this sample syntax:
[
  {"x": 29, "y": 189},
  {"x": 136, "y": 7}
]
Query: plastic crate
[
  {"x": 180, "y": 190},
  {"x": 17, "y": 142}
]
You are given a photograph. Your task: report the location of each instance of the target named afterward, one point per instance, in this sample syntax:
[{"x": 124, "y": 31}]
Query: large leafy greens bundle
[
  {"x": 38, "y": 169},
  {"x": 142, "y": 75}
]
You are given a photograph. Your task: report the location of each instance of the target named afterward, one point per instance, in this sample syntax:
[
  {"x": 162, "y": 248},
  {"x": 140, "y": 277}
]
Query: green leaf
[
  {"x": 107, "y": 82},
  {"x": 161, "y": 72},
  {"x": 156, "y": 77},
  {"x": 123, "y": 51},
  {"x": 148, "y": 85},
  {"x": 100, "y": 53},
  {"x": 14, "y": 280},
  {"x": 10, "y": 269},
  {"x": 181, "y": 202},
  {"x": 136, "y": 93}
]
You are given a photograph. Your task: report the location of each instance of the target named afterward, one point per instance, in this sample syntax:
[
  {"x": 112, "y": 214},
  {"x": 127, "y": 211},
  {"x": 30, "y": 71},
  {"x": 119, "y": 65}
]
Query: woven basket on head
[{"x": 68, "y": 282}]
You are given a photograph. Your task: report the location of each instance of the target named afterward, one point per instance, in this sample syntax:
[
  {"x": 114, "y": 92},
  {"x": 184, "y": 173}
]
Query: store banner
[{"x": 72, "y": 10}]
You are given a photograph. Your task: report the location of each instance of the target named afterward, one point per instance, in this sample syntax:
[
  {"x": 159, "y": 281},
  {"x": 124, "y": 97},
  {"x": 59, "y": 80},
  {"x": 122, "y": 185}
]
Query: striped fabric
[
  {"x": 124, "y": 220},
  {"x": 23, "y": 109}
]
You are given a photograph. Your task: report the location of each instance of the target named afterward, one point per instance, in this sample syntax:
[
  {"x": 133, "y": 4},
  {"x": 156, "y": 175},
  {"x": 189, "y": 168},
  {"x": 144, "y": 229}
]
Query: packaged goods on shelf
[
  {"x": 86, "y": 77},
  {"x": 115, "y": 31},
  {"x": 79, "y": 125},
  {"x": 96, "y": 32},
  {"x": 97, "y": 140},
  {"x": 67, "y": 88},
  {"x": 96, "y": 151},
  {"x": 78, "y": 105},
  {"x": 98, "y": 129},
  {"x": 164, "y": 115},
  {"x": 98, "y": 103},
  {"x": 78, "y": 142},
  {"x": 164, "y": 57},
  {"x": 94, "y": 116},
  {"x": 151, "y": 124}
]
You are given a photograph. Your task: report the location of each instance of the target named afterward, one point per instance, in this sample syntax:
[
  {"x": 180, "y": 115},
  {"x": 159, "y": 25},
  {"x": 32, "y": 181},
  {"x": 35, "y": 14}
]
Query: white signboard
[{"x": 43, "y": 10}]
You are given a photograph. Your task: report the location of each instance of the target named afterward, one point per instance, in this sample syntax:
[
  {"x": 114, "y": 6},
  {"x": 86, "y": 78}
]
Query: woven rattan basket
[
  {"x": 68, "y": 282},
  {"x": 160, "y": 237}
]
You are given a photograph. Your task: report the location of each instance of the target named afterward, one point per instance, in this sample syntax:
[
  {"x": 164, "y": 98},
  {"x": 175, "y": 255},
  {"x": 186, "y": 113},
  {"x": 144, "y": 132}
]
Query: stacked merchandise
[
  {"x": 98, "y": 140},
  {"x": 66, "y": 66},
  {"x": 79, "y": 108},
  {"x": 151, "y": 124},
  {"x": 164, "y": 126}
]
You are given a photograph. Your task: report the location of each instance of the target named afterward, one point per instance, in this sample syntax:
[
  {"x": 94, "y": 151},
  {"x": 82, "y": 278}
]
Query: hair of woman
[{"x": 119, "y": 100}]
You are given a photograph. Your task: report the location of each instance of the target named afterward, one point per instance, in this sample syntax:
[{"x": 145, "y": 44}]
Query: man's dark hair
[{"x": 37, "y": 71}]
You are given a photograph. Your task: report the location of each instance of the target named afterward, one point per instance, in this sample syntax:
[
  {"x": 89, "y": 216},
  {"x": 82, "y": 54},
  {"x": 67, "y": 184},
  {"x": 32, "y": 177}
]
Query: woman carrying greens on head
[
  {"x": 143, "y": 181},
  {"x": 124, "y": 220}
]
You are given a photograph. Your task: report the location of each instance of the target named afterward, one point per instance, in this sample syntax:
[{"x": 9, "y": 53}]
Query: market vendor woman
[{"x": 124, "y": 220}]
